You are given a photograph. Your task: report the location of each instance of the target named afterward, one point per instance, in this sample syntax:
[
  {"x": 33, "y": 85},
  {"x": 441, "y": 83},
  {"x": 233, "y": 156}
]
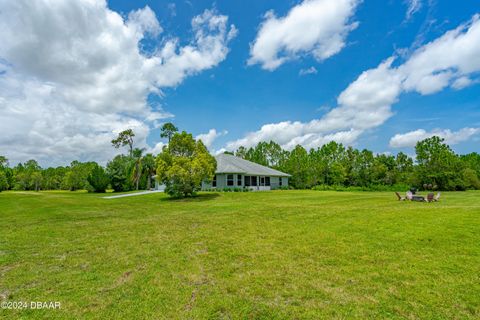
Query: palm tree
[
  {"x": 149, "y": 168},
  {"x": 137, "y": 166}
]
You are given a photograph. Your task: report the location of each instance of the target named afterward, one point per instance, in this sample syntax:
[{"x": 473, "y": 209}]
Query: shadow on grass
[{"x": 196, "y": 198}]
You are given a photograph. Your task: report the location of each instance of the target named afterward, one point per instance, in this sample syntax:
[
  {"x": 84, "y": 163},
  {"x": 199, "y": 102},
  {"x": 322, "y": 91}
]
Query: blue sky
[
  {"x": 229, "y": 94},
  {"x": 241, "y": 98}
]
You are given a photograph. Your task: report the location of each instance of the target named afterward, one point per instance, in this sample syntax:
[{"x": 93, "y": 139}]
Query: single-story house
[{"x": 234, "y": 172}]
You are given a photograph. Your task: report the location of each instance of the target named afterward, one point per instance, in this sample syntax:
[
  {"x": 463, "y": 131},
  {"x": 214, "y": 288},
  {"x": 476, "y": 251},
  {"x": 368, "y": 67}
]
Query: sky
[{"x": 372, "y": 74}]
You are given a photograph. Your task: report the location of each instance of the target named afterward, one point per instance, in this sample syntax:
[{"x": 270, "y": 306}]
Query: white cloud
[
  {"x": 39, "y": 124},
  {"x": 411, "y": 138},
  {"x": 311, "y": 70},
  {"x": 212, "y": 35},
  {"x": 144, "y": 21},
  {"x": 74, "y": 74},
  {"x": 413, "y": 6},
  {"x": 157, "y": 148},
  {"x": 316, "y": 27},
  {"x": 366, "y": 103},
  {"x": 209, "y": 138},
  {"x": 436, "y": 65},
  {"x": 462, "y": 82},
  {"x": 172, "y": 7}
]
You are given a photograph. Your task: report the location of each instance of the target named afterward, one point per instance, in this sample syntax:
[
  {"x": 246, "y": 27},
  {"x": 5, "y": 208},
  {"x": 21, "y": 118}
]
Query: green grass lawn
[{"x": 272, "y": 255}]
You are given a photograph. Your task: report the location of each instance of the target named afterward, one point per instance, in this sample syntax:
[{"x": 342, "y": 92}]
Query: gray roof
[{"x": 227, "y": 163}]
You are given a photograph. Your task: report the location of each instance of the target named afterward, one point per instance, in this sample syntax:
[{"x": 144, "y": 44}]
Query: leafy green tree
[
  {"x": 125, "y": 138},
  {"x": 438, "y": 164},
  {"x": 330, "y": 163},
  {"x": 168, "y": 130},
  {"x": 3, "y": 181},
  {"x": 404, "y": 168},
  {"x": 184, "y": 164},
  {"x": 53, "y": 177},
  {"x": 37, "y": 180},
  {"x": 383, "y": 170},
  {"x": 338, "y": 174},
  {"x": 470, "y": 179},
  {"x": 241, "y": 152},
  {"x": 28, "y": 176},
  {"x": 275, "y": 155},
  {"x": 472, "y": 161},
  {"x": 297, "y": 166},
  {"x": 3, "y": 162},
  {"x": 76, "y": 178},
  {"x": 257, "y": 154},
  {"x": 4, "y": 184},
  {"x": 361, "y": 170},
  {"x": 98, "y": 179},
  {"x": 118, "y": 170}
]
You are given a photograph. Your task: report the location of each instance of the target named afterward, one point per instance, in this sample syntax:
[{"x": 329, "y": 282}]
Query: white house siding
[{"x": 158, "y": 186}]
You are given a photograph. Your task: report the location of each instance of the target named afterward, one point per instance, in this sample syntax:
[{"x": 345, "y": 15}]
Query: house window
[
  {"x": 254, "y": 181},
  {"x": 280, "y": 181},
  {"x": 248, "y": 181},
  {"x": 267, "y": 181},
  {"x": 230, "y": 180},
  {"x": 262, "y": 181},
  {"x": 239, "y": 180},
  {"x": 214, "y": 182}
]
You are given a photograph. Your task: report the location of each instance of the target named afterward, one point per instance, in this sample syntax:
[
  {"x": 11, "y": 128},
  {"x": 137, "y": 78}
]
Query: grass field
[{"x": 272, "y": 255}]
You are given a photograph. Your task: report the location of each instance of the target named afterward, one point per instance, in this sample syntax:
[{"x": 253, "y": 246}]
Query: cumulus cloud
[
  {"x": 411, "y": 138},
  {"x": 144, "y": 21},
  {"x": 315, "y": 27},
  {"x": 38, "y": 123},
  {"x": 212, "y": 35},
  {"x": 209, "y": 138},
  {"x": 449, "y": 61},
  {"x": 73, "y": 74}
]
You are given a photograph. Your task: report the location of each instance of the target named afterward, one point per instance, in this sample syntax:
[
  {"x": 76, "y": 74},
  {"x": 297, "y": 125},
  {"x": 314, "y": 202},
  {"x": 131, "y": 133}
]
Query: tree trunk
[{"x": 149, "y": 183}]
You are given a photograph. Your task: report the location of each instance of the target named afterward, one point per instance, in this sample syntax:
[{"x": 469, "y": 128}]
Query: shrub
[
  {"x": 3, "y": 181},
  {"x": 118, "y": 171},
  {"x": 98, "y": 180}
]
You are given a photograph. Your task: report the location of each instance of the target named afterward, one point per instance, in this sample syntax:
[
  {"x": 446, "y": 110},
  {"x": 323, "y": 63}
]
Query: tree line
[
  {"x": 125, "y": 172},
  {"x": 436, "y": 166},
  {"x": 184, "y": 163}
]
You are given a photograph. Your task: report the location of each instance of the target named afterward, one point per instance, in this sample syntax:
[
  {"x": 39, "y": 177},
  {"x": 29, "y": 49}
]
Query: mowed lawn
[{"x": 271, "y": 255}]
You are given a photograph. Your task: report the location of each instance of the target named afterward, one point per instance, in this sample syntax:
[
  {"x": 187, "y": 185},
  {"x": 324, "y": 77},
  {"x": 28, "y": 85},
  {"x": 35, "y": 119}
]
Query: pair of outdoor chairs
[{"x": 431, "y": 197}]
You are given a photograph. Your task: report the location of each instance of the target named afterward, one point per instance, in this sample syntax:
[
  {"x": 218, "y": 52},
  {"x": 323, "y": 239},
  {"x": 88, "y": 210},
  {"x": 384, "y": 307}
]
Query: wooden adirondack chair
[
  {"x": 430, "y": 197},
  {"x": 400, "y": 198},
  {"x": 409, "y": 195}
]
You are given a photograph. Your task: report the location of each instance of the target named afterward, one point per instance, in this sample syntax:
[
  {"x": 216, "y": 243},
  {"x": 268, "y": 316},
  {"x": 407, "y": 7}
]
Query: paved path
[{"x": 132, "y": 194}]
